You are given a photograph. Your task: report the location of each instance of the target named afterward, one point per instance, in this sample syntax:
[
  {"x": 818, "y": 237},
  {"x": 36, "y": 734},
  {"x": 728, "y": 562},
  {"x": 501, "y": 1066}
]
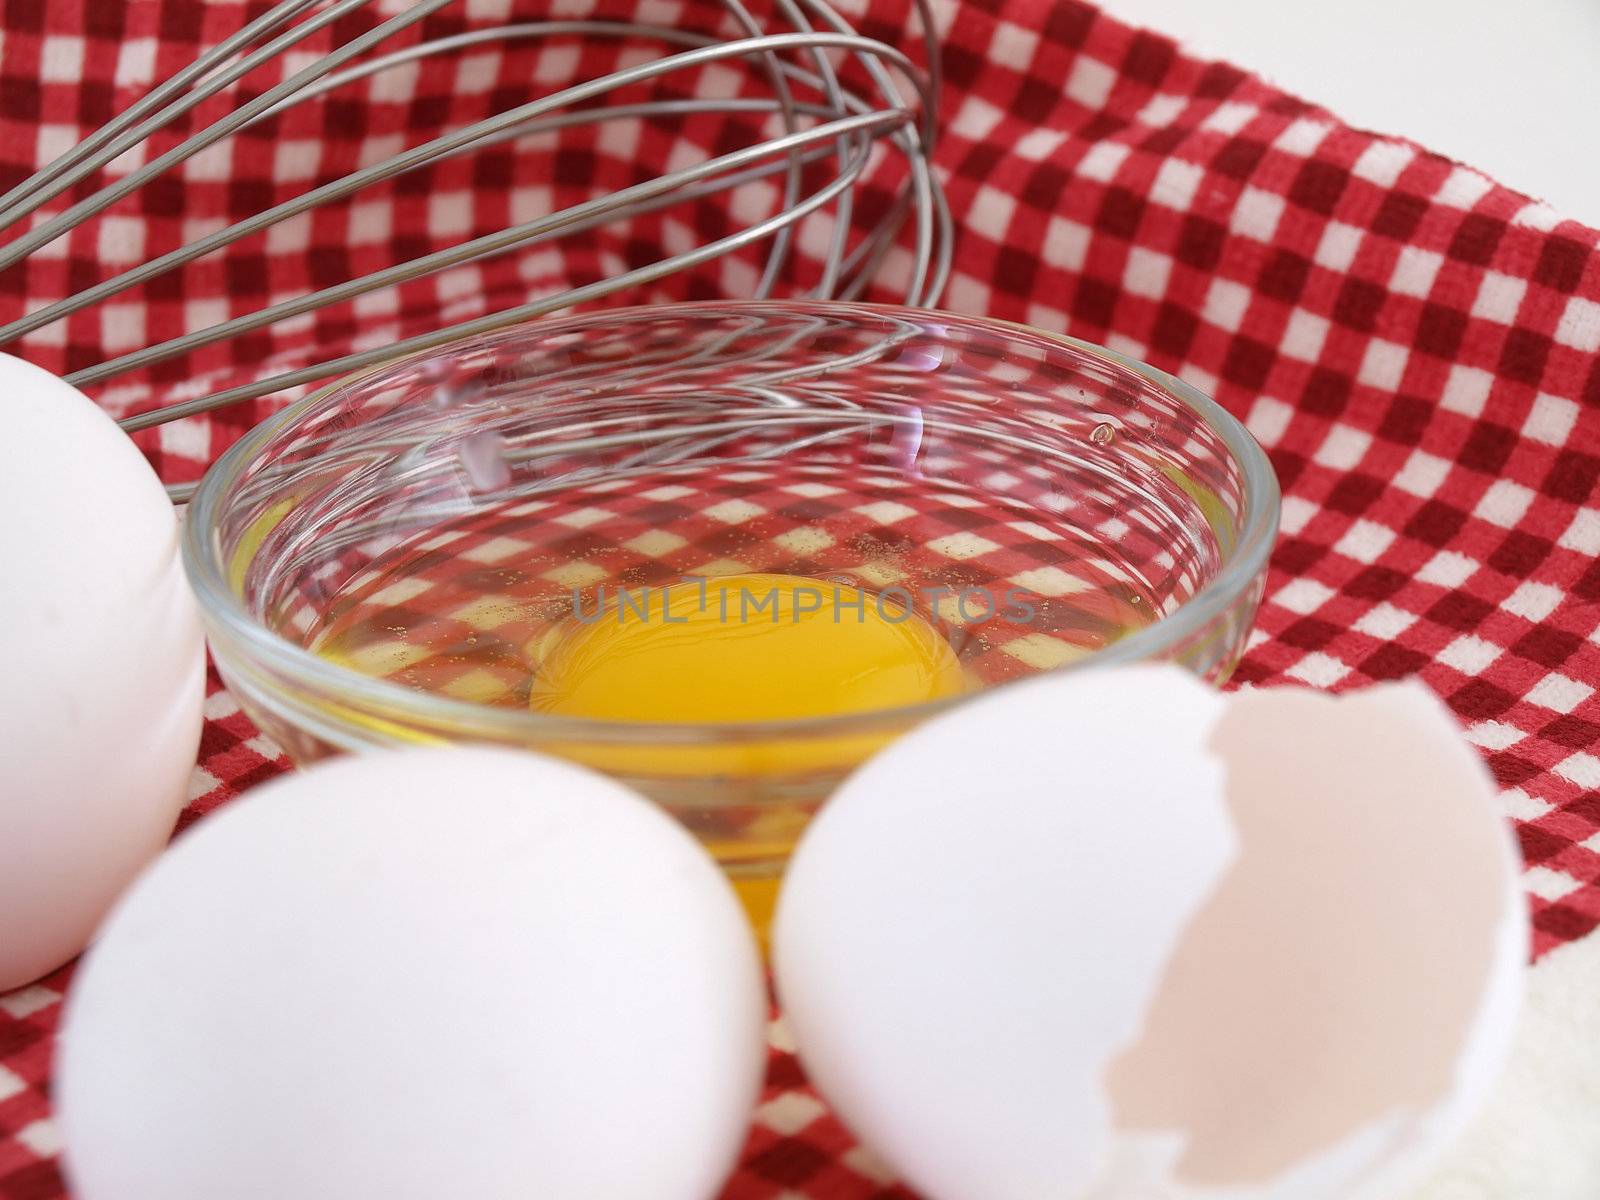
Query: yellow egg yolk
[
  {"x": 754, "y": 647},
  {"x": 250, "y": 541}
]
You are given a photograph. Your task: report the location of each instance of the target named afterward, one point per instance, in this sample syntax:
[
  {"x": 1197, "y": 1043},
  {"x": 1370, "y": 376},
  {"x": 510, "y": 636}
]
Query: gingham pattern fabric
[
  {"x": 434, "y": 621},
  {"x": 1415, "y": 345}
]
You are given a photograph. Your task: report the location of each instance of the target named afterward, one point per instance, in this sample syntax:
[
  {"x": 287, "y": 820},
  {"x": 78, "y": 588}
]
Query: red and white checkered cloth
[{"x": 1415, "y": 345}]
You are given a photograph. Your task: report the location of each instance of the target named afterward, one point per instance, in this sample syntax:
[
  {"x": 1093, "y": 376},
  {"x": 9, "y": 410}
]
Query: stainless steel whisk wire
[{"x": 837, "y": 125}]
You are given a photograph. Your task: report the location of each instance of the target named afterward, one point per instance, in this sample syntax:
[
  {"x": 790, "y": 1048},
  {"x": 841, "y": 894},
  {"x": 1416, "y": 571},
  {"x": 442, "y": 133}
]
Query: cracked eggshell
[
  {"x": 419, "y": 974},
  {"x": 1112, "y": 936},
  {"x": 104, "y": 669},
  {"x": 976, "y": 921},
  {"x": 1539, "y": 1134}
]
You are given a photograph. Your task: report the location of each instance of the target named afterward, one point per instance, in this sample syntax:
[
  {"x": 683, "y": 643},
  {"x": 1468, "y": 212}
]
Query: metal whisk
[{"x": 817, "y": 135}]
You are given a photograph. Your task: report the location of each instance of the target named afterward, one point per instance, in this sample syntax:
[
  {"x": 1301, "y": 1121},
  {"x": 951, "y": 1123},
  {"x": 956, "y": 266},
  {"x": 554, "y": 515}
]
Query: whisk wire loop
[{"x": 810, "y": 117}]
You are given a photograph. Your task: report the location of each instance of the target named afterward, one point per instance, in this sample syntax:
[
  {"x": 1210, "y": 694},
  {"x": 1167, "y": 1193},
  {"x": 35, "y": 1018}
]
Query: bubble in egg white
[
  {"x": 103, "y": 671},
  {"x": 1112, "y": 936},
  {"x": 420, "y": 974}
]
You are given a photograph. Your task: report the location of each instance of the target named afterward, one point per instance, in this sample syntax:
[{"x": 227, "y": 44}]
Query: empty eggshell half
[{"x": 1113, "y": 936}]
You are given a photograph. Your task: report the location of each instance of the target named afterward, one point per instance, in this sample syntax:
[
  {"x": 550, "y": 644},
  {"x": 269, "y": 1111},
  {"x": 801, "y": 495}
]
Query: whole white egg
[
  {"x": 430, "y": 973},
  {"x": 104, "y": 669},
  {"x": 1113, "y": 936}
]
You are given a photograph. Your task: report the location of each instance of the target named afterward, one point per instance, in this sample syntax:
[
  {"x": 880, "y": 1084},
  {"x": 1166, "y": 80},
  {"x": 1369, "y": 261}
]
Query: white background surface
[{"x": 1511, "y": 87}]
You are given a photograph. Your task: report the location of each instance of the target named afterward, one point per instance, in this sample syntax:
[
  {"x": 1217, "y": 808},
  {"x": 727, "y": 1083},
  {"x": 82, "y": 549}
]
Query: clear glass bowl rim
[{"x": 203, "y": 561}]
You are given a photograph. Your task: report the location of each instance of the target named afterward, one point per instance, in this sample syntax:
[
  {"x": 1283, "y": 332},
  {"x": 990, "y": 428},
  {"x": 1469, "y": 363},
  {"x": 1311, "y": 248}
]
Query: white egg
[
  {"x": 421, "y": 974},
  {"x": 1111, "y": 936},
  {"x": 104, "y": 669}
]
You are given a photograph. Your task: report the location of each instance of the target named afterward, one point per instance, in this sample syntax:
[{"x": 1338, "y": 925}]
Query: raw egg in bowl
[{"x": 723, "y": 552}]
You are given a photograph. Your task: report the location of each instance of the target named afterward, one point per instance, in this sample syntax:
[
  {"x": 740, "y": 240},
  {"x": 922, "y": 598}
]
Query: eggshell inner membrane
[{"x": 1349, "y": 989}]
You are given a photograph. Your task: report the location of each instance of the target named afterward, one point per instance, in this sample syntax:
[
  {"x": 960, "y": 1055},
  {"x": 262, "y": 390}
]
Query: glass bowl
[{"x": 388, "y": 561}]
